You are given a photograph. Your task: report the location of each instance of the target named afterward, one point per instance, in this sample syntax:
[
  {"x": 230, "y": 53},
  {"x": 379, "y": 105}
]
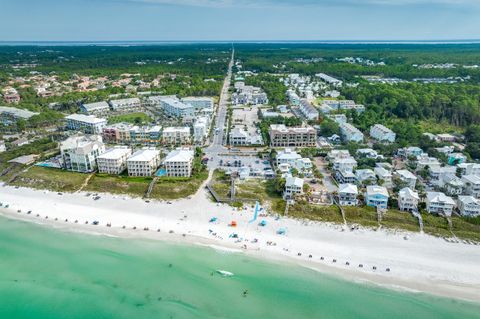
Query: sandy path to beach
[{"x": 421, "y": 263}]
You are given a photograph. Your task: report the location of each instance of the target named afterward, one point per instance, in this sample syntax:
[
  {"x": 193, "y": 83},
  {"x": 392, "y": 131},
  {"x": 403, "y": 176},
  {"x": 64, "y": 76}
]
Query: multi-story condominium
[
  {"x": 377, "y": 196},
  {"x": 468, "y": 206},
  {"x": 179, "y": 162},
  {"x": 406, "y": 177},
  {"x": 384, "y": 175},
  {"x": 408, "y": 200},
  {"x": 350, "y": 133},
  {"x": 382, "y": 133},
  {"x": 114, "y": 161},
  {"x": 287, "y": 156},
  {"x": 176, "y": 135},
  {"x": 456, "y": 158},
  {"x": 439, "y": 203},
  {"x": 411, "y": 151},
  {"x": 199, "y": 103},
  {"x": 307, "y": 110},
  {"x": 79, "y": 153},
  {"x": 126, "y": 105},
  {"x": 88, "y": 124},
  {"x": 9, "y": 115},
  {"x": 472, "y": 185},
  {"x": 174, "y": 107},
  {"x": 293, "y": 98},
  {"x": 126, "y": 133},
  {"x": 98, "y": 108},
  {"x": 469, "y": 169},
  {"x": 347, "y": 195},
  {"x": 238, "y": 136},
  {"x": 282, "y": 136},
  {"x": 293, "y": 187},
  {"x": 365, "y": 176},
  {"x": 345, "y": 177},
  {"x": 143, "y": 162},
  {"x": 200, "y": 129},
  {"x": 329, "y": 79},
  {"x": 247, "y": 94},
  {"x": 156, "y": 100}
]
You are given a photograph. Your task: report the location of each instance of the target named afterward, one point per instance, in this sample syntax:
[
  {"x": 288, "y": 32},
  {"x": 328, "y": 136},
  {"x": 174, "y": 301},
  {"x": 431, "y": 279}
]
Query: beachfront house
[
  {"x": 377, "y": 196},
  {"x": 468, "y": 206},
  {"x": 347, "y": 194},
  {"x": 439, "y": 203},
  {"x": 408, "y": 200},
  {"x": 179, "y": 163},
  {"x": 143, "y": 162},
  {"x": 114, "y": 161},
  {"x": 79, "y": 153},
  {"x": 293, "y": 187}
]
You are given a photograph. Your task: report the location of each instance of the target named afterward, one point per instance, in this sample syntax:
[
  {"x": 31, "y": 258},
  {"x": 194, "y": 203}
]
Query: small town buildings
[
  {"x": 336, "y": 154},
  {"x": 176, "y": 135},
  {"x": 199, "y": 103},
  {"x": 368, "y": 153},
  {"x": 408, "y": 200},
  {"x": 307, "y": 110},
  {"x": 468, "y": 206},
  {"x": 126, "y": 105},
  {"x": 173, "y": 107},
  {"x": 347, "y": 195},
  {"x": 445, "y": 137},
  {"x": 247, "y": 94},
  {"x": 9, "y": 115},
  {"x": 114, "y": 160},
  {"x": 79, "y": 153},
  {"x": 383, "y": 175},
  {"x": 456, "y": 158},
  {"x": 201, "y": 129},
  {"x": 406, "y": 177},
  {"x": 377, "y": 196},
  {"x": 411, "y": 151},
  {"x": 382, "y": 133},
  {"x": 472, "y": 185},
  {"x": 179, "y": 163},
  {"x": 425, "y": 161},
  {"x": 339, "y": 118},
  {"x": 282, "y": 136},
  {"x": 20, "y": 142},
  {"x": 287, "y": 156},
  {"x": 125, "y": 133},
  {"x": 97, "y": 108},
  {"x": 469, "y": 169},
  {"x": 365, "y": 176},
  {"x": 438, "y": 174},
  {"x": 343, "y": 176},
  {"x": 350, "y": 133},
  {"x": 88, "y": 124},
  {"x": 293, "y": 187},
  {"x": 238, "y": 136},
  {"x": 3, "y": 148},
  {"x": 439, "y": 203},
  {"x": 11, "y": 95},
  {"x": 143, "y": 162}
]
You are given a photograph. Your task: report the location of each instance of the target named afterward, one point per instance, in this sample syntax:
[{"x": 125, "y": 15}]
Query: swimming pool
[{"x": 161, "y": 172}]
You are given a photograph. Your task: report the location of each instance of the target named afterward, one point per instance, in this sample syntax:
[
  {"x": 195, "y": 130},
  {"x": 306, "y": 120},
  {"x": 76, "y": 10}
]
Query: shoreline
[{"x": 421, "y": 264}]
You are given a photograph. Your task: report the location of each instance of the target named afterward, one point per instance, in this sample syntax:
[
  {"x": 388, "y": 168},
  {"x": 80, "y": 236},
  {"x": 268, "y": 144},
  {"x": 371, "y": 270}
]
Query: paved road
[{"x": 216, "y": 145}]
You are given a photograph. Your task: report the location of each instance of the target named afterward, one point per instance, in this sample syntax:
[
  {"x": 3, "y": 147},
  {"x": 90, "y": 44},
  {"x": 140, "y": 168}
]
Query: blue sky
[{"x": 170, "y": 20}]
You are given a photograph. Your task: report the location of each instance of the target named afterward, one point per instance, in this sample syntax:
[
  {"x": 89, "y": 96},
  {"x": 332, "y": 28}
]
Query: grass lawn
[
  {"x": 435, "y": 225},
  {"x": 51, "y": 179},
  {"x": 262, "y": 190},
  {"x": 365, "y": 216},
  {"x": 135, "y": 186},
  {"x": 316, "y": 212},
  {"x": 466, "y": 229},
  {"x": 177, "y": 187},
  {"x": 398, "y": 219},
  {"x": 134, "y": 118},
  {"x": 220, "y": 183}
]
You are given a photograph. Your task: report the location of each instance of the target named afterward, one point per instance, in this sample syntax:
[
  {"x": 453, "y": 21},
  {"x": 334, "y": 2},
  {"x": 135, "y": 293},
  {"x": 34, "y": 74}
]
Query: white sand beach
[{"x": 422, "y": 263}]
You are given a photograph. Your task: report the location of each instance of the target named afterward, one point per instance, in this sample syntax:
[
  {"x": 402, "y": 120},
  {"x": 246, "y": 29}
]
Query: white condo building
[
  {"x": 199, "y": 103},
  {"x": 350, "y": 133},
  {"x": 87, "y": 124},
  {"x": 179, "y": 163},
  {"x": 382, "y": 133},
  {"x": 174, "y": 107},
  {"x": 79, "y": 153},
  {"x": 114, "y": 161},
  {"x": 97, "y": 108},
  {"x": 200, "y": 129},
  {"x": 126, "y": 105},
  {"x": 143, "y": 162},
  {"x": 307, "y": 110},
  {"x": 176, "y": 135}
]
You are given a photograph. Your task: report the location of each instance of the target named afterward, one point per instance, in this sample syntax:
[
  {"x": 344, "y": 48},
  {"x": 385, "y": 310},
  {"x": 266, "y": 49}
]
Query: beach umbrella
[{"x": 263, "y": 223}]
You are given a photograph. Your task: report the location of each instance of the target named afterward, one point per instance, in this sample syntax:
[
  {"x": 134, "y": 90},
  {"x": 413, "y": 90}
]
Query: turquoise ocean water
[{"x": 47, "y": 273}]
